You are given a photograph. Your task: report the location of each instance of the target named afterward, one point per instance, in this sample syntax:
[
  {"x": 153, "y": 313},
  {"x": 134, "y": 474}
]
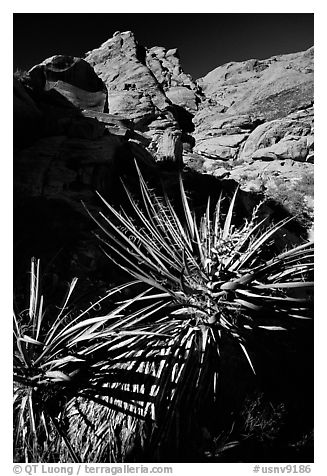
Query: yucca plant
[
  {"x": 213, "y": 279},
  {"x": 71, "y": 382}
]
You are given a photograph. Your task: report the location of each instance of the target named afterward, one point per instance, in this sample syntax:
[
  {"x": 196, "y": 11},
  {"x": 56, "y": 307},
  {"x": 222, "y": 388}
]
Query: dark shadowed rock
[
  {"x": 27, "y": 117},
  {"x": 64, "y": 168}
]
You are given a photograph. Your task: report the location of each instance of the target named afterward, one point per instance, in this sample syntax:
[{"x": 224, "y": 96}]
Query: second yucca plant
[{"x": 72, "y": 386}]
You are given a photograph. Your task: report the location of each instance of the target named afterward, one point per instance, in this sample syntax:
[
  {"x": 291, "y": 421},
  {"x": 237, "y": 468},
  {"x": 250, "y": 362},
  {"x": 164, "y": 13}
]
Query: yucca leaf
[
  {"x": 188, "y": 215},
  {"x": 247, "y": 356},
  {"x": 61, "y": 362},
  {"x": 57, "y": 376},
  {"x": 34, "y": 288},
  {"x": 29, "y": 340},
  {"x": 273, "y": 328},
  {"x": 228, "y": 220},
  {"x": 290, "y": 285},
  {"x": 248, "y": 304},
  {"x": 267, "y": 297},
  {"x": 259, "y": 242}
]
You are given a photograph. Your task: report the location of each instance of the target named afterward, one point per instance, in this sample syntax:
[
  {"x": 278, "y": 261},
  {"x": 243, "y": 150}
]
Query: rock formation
[
  {"x": 149, "y": 87},
  {"x": 179, "y": 87},
  {"x": 132, "y": 89},
  {"x": 79, "y": 124},
  {"x": 255, "y": 125},
  {"x": 73, "y": 79},
  {"x": 271, "y": 88}
]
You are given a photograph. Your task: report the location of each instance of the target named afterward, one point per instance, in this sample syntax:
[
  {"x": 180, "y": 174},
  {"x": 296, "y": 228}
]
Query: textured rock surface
[
  {"x": 240, "y": 96},
  {"x": 290, "y": 137},
  {"x": 136, "y": 79},
  {"x": 255, "y": 126},
  {"x": 73, "y": 78},
  {"x": 183, "y": 97},
  {"x": 170, "y": 147},
  {"x": 272, "y": 88},
  {"x": 286, "y": 183},
  {"x": 214, "y": 130},
  {"x": 178, "y": 86},
  {"x": 67, "y": 168},
  {"x": 132, "y": 88}
]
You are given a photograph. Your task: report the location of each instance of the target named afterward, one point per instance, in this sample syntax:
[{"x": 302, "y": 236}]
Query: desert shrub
[
  {"x": 66, "y": 378},
  {"x": 208, "y": 279}
]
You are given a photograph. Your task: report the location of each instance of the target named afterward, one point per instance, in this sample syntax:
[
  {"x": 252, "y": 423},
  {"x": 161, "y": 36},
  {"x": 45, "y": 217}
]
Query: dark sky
[{"x": 204, "y": 40}]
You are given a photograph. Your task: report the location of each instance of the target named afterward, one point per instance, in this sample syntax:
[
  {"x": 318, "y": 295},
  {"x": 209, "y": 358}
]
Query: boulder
[
  {"x": 214, "y": 130},
  {"x": 183, "y": 97},
  {"x": 289, "y": 137},
  {"x": 212, "y": 147},
  {"x": 73, "y": 79},
  {"x": 170, "y": 148},
  {"x": 295, "y": 149}
]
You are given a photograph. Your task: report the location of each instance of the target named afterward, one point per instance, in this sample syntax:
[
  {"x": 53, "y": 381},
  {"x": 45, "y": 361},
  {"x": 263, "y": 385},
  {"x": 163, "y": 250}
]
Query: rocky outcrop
[
  {"x": 275, "y": 159},
  {"x": 255, "y": 126},
  {"x": 270, "y": 88},
  {"x": 221, "y": 134},
  {"x": 179, "y": 87},
  {"x": 133, "y": 90},
  {"x": 290, "y": 137},
  {"x": 73, "y": 79},
  {"x": 241, "y": 96},
  {"x": 286, "y": 183},
  {"x": 148, "y": 87}
]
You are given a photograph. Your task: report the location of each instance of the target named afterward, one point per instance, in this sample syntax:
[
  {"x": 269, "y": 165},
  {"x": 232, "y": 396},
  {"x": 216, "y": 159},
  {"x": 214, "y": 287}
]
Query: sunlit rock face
[
  {"x": 239, "y": 96},
  {"x": 273, "y": 87},
  {"x": 133, "y": 90},
  {"x": 255, "y": 125}
]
